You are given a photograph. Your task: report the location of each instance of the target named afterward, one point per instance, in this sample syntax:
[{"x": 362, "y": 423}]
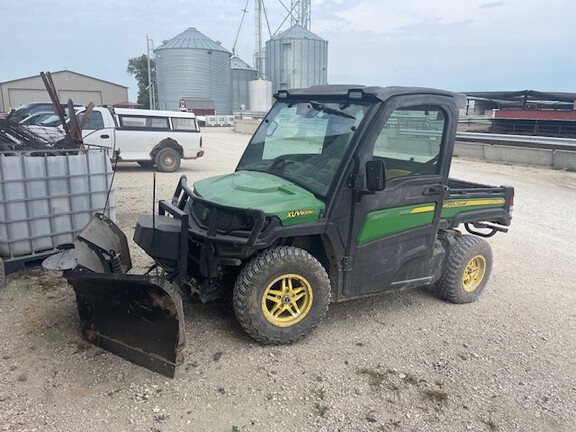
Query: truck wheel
[
  {"x": 466, "y": 270},
  {"x": 167, "y": 160},
  {"x": 145, "y": 163},
  {"x": 281, "y": 295}
]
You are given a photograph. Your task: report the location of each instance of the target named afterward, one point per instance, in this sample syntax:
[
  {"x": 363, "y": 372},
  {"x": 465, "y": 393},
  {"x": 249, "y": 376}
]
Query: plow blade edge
[{"x": 139, "y": 318}]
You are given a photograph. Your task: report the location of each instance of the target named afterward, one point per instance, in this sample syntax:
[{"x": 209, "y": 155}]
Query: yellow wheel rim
[
  {"x": 287, "y": 300},
  {"x": 474, "y": 273}
]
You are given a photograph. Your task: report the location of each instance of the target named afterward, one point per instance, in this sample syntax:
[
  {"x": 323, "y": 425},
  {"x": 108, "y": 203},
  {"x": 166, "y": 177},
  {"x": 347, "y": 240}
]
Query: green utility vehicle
[{"x": 342, "y": 192}]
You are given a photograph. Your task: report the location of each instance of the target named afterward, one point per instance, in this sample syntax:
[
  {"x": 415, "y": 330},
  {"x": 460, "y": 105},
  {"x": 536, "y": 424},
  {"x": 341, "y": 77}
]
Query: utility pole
[{"x": 151, "y": 92}]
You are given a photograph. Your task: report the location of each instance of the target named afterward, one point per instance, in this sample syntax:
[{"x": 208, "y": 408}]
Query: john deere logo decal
[{"x": 298, "y": 213}]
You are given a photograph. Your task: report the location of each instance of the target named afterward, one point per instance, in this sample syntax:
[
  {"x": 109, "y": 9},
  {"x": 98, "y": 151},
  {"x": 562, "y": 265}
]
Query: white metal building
[{"x": 82, "y": 89}]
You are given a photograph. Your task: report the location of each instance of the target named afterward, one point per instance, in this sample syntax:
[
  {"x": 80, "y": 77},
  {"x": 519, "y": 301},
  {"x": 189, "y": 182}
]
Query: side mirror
[{"x": 375, "y": 175}]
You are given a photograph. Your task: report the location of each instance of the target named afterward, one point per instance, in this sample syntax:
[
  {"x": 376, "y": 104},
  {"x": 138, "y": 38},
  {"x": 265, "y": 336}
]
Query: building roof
[
  {"x": 297, "y": 32},
  {"x": 522, "y": 96},
  {"x": 192, "y": 39},
  {"x": 66, "y": 71},
  {"x": 237, "y": 63}
]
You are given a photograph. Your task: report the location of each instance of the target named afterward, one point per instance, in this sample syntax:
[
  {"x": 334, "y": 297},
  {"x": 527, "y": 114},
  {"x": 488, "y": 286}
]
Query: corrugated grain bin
[
  {"x": 193, "y": 65},
  {"x": 46, "y": 199},
  {"x": 296, "y": 58}
]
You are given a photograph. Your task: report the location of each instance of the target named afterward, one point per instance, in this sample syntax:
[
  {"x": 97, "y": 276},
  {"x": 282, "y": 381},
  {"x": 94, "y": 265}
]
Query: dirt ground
[{"x": 405, "y": 361}]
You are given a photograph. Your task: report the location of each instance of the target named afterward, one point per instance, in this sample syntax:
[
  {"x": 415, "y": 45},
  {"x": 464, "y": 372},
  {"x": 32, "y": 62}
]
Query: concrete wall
[{"x": 520, "y": 155}]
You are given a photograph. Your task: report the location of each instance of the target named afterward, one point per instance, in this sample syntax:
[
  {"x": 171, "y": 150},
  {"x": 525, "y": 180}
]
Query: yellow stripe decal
[
  {"x": 424, "y": 209},
  {"x": 470, "y": 203}
]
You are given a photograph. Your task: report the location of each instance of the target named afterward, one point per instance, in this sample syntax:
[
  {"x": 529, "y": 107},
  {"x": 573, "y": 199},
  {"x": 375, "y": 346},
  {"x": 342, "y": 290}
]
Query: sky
[{"x": 459, "y": 45}]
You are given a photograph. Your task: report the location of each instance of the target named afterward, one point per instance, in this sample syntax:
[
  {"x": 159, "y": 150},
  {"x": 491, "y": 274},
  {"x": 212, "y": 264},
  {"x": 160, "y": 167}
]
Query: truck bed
[{"x": 468, "y": 202}]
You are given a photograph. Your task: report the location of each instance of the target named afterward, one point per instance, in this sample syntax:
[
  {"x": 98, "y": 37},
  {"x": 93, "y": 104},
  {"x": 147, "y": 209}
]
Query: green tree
[{"x": 138, "y": 66}]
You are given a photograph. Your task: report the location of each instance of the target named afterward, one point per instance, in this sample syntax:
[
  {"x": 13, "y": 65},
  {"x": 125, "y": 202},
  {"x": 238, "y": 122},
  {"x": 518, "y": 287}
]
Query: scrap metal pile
[
  {"x": 14, "y": 136},
  {"x": 17, "y": 137}
]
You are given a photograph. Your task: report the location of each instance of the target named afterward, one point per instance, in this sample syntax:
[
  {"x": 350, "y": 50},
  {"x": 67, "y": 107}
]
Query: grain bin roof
[
  {"x": 192, "y": 39},
  {"x": 237, "y": 63},
  {"x": 297, "y": 32}
]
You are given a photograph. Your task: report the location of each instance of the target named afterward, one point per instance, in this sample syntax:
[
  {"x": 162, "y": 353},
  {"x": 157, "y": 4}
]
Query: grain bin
[
  {"x": 193, "y": 65},
  {"x": 242, "y": 74},
  {"x": 296, "y": 58}
]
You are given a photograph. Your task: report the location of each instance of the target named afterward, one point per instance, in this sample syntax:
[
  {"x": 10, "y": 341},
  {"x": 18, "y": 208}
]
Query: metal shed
[{"x": 82, "y": 89}]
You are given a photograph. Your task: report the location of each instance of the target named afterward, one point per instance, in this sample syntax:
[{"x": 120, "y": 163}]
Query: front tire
[
  {"x": 466, "y": 270},
  {"x": 281, "y": 295},
  {"x": 167, "y": 160}
]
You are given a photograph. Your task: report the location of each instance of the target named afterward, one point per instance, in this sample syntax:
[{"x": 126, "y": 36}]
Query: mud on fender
[{"x": 139, "y": 318}]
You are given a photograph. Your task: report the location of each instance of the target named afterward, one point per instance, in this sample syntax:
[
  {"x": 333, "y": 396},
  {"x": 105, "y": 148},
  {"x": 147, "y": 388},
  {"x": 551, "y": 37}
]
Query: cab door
[
  {"x": 393, "y": 231},
  {"x": 96, "y": 132}
]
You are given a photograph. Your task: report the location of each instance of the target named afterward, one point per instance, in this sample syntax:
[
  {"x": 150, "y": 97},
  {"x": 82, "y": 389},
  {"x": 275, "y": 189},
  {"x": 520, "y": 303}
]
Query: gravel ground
[{"x": 397, "y": 362}]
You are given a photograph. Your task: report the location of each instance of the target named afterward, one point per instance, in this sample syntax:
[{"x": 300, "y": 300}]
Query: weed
[
  {"x": 410, "y": 379},
  {"x": 235, "y": 429},
  {"x": 375, "y": 378},
  {"x": 491, "y": 424},
  {"x": 571, "y": 169},
  {"x": 319, "y": 393},
  {"x": 321, "y": 409},
  {"x": 441, "y": 398}
]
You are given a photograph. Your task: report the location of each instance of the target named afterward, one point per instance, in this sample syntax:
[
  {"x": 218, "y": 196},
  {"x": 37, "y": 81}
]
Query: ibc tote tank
[
  {"x": 296, "y": 58},
  {"x": 193, "y": 65}
]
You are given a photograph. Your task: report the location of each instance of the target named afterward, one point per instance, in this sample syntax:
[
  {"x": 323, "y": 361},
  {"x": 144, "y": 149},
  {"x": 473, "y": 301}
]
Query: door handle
[
  {"x": 434, "y": 190},
  {"x": 105, "y": 136}
]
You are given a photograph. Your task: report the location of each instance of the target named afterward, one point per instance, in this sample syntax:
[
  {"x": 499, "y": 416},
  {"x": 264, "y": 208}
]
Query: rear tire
[
  {"x": 167, "y": 160},
  {"x": 466, "y": 270},
  {"x": 281, "y": 295},
  {"x": 145, "y": 164}
]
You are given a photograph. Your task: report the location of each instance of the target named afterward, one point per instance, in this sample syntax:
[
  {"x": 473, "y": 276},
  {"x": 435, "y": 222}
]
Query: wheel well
[
  {"x": 167, "y": 143},
  {"x": 321, "y": 248}
]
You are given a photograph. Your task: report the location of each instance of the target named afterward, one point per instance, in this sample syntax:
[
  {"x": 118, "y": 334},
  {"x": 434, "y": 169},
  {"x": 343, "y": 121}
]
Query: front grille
[{"x": 203, "y": 213}]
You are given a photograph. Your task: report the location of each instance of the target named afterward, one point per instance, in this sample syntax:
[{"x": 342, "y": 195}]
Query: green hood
[{"x": 256, "y": 190}]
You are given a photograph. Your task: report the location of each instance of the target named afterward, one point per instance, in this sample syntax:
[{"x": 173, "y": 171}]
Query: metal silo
[
  {"x": 242, "y": 74},
  {"x": 296, "y": 58},
  {"x": 193, "y": 65}
]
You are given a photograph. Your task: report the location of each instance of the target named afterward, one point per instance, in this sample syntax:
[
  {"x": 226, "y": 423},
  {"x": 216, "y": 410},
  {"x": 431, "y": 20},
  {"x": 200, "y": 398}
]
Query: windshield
[{"x": 304, "y": 142}]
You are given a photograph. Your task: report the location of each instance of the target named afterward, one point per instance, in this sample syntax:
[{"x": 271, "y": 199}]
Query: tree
[{"x": 138, "y": 66}]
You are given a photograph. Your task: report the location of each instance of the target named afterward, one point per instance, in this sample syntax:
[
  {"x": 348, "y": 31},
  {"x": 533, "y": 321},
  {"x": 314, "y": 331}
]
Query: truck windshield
[{"x": 304, "y": 142}]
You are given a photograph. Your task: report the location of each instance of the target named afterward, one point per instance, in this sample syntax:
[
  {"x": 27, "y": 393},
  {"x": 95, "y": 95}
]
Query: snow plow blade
[{"x": 139, "y": 318}]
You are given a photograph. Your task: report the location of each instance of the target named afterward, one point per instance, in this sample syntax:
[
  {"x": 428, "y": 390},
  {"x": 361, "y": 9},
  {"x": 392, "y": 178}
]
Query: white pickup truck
[{"x": 160, "y": 138}]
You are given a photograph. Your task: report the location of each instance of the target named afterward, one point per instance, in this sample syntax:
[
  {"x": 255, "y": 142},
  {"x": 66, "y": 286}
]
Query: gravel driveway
[{"x": 404, "y": 361}]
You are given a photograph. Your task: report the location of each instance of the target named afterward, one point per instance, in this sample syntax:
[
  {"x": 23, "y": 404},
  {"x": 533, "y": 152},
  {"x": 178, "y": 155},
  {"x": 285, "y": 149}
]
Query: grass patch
[{"x": 571, "y": 169}]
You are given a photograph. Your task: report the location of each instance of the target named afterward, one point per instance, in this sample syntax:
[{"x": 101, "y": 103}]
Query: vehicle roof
[
  {"x": 381, "y": 93},
  {"x": 157, "y": 113}
]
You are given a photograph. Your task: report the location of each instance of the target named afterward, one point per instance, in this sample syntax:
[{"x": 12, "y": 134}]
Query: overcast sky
[{"x": 461, "y": 45}]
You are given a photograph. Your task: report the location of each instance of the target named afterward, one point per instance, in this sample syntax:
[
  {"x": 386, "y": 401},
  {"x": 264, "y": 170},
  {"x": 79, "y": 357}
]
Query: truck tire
[
  {"x": 167, "y": 160},
  {"x": 466, "y": 270},
  {"x": 281, "y": 295},
  {"x": 2, "y": 272},
  {"x": 145, "y": 163}
]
